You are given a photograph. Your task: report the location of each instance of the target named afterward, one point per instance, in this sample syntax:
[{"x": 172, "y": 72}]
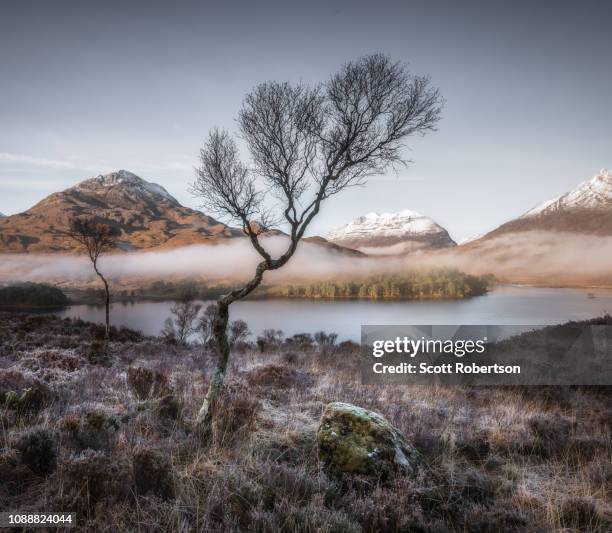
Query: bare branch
[
  {"x": 95, "y": 237},
  {"x": 332, "y": 137}
]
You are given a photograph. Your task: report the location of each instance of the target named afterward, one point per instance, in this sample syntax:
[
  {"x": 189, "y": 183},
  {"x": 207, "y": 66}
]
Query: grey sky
[{"x": 88, "y": 87}]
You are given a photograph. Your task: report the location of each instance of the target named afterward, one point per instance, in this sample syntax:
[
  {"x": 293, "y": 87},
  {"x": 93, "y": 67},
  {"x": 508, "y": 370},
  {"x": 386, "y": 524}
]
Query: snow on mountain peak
[
  {"x": 129, "y": 179},
  {"x": 595, "y": 193},
  {"x": 404, "y": 223},
  {"x": 384, "y": 217}
]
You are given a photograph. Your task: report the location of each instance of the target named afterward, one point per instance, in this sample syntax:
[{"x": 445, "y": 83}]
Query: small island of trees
[{"x": 411, "y": 285}]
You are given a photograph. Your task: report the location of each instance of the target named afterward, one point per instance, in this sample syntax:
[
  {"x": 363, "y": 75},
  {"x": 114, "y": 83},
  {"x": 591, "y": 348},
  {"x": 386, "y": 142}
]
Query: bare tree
[
  {"x": 184, "y": 323},
  {"x": 238, "y": 332},
  {"x": 306, "y": 144},
  {"x": 325, "y": 340},
  {"x": 96, "y": 238},
  {"x": 205, "y": 323}
]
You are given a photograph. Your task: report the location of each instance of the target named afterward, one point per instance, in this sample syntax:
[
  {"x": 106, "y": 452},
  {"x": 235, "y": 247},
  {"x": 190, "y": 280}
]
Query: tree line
[{"x": 412, "y": 285}]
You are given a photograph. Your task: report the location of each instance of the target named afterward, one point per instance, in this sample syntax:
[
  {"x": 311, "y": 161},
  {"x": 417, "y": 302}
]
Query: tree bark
[
  {"x": 219, "y": 333},
  {"x": 106, "y": 301}
]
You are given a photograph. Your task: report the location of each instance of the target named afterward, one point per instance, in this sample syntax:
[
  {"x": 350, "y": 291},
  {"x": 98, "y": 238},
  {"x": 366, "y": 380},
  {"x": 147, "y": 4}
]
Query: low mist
[
  {"x": 539, "y": 257},
  {"x": 529, "y": 257}
]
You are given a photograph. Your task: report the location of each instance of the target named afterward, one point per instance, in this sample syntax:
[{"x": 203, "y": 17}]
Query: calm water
[{"x": 507, "y": 305}]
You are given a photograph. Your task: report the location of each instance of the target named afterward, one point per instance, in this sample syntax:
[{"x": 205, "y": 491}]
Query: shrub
[
  {"x": 52, "y": 359},
  {"x": 16, "y": 477},
  {"x": 96, "y": 430},
  {"x": 147, "y": 382},
  {"x": 168, "y": 406},
  {"x": 23, "y": 393},
  {"x": 261, "y": 344},
  {"x": 325, "y": 340},
  {"x": 294, "y": 483},
  {"x": 303, "y": 519},
  {"x": 97, "y": 332},
  {"x": 37, "y": 450},
  {"x": 231, "y": 499},
  {"x": 580, "y": 514},
  {"x": 152, "y": 473},
  {"x": 496, "y": 518},
  {"x": 476, "y": 486},
  {"x": 291, "y": 358},
  {"x": 296, "y": 448},
  {"x": 124, "y": 334},
  {"x": 473, "y": 447},
  {"x": 271, "y": 337},
  {"x": 301, "y": 340},
  {"x": 92, "y": 477},
  {"x": 551, "y": 434},
  {"x": 600, "y": 476},
  {"x": 234, "y": 415},
  {"x": 278, "y": 376},
  {"x": 348, "y": 347},
  {"x": 393, "y": 508},
  {"x": 97, "y": 353},
  {"x": 450, "y": 492}
]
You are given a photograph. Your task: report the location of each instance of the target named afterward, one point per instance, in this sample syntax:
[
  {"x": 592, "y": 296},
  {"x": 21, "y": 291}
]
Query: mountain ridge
[
  {"x": 585, "y": 209},
  {"x": 402, "y": 232},
  {"x": 145, "y": 213}
]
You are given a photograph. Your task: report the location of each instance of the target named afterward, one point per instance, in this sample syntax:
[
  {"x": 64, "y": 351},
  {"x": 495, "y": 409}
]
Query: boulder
[{"x": 354, "y": 440}]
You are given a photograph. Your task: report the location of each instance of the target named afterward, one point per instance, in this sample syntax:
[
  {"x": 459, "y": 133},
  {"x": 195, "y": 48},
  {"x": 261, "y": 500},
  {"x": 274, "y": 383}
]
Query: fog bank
[{"x": 531, "y": 257}]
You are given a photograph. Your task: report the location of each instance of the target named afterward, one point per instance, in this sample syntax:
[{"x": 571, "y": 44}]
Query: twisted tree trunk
[
  {"x": 106, "y": 302},
  {"x": 219, "y": 333},
  {"x": 220, "y": 323}
]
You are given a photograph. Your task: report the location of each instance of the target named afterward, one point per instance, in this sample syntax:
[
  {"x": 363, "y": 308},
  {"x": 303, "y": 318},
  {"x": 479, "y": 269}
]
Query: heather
[{"x": 110, "y": 433}]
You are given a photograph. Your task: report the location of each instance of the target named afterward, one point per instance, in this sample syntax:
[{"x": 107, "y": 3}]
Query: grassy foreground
[{"x": 110, "y": 438}]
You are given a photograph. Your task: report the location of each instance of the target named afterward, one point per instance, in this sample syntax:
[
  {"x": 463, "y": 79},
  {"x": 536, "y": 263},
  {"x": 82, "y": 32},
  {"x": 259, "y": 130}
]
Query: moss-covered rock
[{"x": 354, "y": 440}]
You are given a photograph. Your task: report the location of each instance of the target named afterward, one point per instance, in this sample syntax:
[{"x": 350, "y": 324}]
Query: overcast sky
[{"x": 89, "y": 87}]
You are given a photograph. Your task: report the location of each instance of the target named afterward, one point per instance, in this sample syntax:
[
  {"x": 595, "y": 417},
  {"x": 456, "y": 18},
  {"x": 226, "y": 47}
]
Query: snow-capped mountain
[
  {"x": 402, "y": 232},
  {"x": 128, "y": 184},
  {"x": 585, "y": 209},
  {"x": 595, "y": 193}
]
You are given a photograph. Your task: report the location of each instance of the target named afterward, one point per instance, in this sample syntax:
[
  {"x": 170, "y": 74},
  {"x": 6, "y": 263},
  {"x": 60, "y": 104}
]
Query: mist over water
[{"x": 550, "y": 258}]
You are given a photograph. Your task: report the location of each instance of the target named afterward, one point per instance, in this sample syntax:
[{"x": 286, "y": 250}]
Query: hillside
[{"x": 144, "y": 212}]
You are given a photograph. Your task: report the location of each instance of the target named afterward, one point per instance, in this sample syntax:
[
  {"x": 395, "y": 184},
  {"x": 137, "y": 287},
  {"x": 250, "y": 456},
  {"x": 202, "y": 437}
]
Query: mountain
[
  {"x": 147, "y": 215},
  {"x": 392, "y": 233},
  {"x": 586, "y": 209}
]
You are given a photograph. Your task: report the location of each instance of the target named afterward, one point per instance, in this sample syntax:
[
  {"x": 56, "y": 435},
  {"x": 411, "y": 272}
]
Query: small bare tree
[
  {"x": 96, "y": 238},
  {"x": 183, "y": 325},
  {"x": 238, "y": 332},
  {"x": 205, "y": 323},
  {"x": 306, "y": 144}
]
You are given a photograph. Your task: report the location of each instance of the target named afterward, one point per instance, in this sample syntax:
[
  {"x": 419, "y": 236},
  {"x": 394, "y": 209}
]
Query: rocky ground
[{"x": 110, "y": 437}]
